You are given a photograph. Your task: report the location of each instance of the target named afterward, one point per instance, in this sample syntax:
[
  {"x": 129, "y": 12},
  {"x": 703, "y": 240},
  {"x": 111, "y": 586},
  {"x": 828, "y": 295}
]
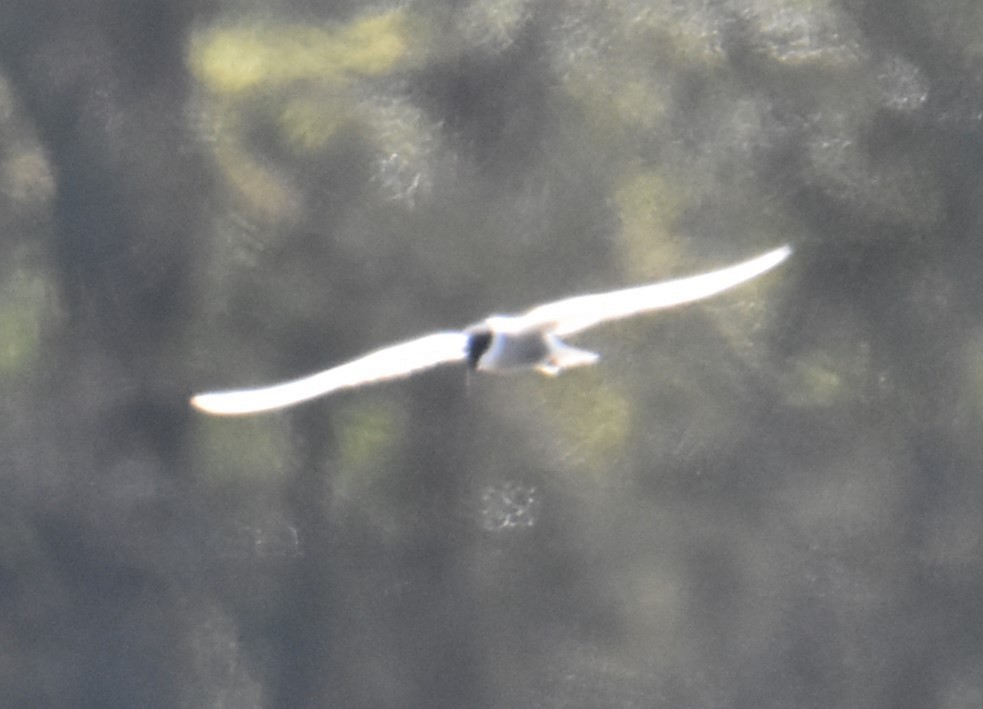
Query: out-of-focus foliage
[
  {"x": 302, "y": 82},
  {"x": 238, "y": 454},
  {"x": 648, "y": 208},
  {"x": 28, "y": 300},
  {"x": 265, "y": 56},
  {"x": 24, "y": 306}
]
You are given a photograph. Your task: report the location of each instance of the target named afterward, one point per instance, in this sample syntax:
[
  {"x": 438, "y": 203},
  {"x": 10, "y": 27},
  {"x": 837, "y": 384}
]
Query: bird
[{"x": 530, "y": 340}]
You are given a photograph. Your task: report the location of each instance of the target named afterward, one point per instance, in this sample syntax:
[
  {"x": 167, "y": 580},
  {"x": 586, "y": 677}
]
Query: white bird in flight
[{"x": 500, "y": 342}]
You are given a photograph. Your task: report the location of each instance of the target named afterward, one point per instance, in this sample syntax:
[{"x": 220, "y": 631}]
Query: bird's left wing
[
  {"x": 392, "y": 362},
  {"x": 572, "y": 315}
]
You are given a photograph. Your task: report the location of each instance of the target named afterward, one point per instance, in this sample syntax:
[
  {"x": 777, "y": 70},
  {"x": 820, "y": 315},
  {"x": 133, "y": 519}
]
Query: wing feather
[
  {"x": 572, "y": 315},
  {"x": 392, "y": 362}
]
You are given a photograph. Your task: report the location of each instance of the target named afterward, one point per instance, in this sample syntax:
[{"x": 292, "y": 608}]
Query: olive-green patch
[
  {"x": 24, "y": 304},
  {"x": 245, "y": 450},
  {"x": 235, "y": 59}
]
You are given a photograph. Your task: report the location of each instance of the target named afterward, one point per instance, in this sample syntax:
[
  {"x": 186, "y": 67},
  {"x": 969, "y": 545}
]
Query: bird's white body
[
  {"x": 513, "y": 344},
  {"x": 500, "y": 342}
]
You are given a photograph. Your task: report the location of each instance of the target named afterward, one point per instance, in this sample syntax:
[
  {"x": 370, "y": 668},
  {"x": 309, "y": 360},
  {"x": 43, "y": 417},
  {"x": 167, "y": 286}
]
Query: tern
[{"x": 500, "y": 342}]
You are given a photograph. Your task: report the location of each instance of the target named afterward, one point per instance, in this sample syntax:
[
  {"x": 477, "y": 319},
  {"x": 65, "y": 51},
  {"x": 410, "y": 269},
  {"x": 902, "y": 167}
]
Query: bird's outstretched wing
[
  {"x": 572, "y": 315},
  {"x": 388, "y": 363}
]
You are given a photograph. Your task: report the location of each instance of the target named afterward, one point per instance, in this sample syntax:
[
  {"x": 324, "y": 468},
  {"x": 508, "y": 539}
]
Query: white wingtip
[
  {"x": 773, "y": 258},
  {"x": 231, "y": 403},
  {"x": 758, "y": 265},
  {"x": 240, "y": 402}
]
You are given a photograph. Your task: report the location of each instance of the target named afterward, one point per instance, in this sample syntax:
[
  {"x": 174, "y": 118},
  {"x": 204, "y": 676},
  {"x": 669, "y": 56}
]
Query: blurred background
[{"x": 770, "y": 499}]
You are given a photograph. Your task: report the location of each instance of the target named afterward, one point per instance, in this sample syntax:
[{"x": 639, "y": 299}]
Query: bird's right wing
[
  {"x": 572, "y": 315},
  {"x": 392, "y": 362}
]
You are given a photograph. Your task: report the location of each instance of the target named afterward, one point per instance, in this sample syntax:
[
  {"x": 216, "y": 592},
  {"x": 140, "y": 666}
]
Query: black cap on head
[{"x": 478, "y": 343}]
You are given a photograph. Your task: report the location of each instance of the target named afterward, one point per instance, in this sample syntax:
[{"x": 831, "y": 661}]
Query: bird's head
[{"x": 479, "y": 340}]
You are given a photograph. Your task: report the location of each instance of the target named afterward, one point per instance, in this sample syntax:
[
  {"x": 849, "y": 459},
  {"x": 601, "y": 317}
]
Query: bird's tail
[{"x": 563, "y": 356}]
